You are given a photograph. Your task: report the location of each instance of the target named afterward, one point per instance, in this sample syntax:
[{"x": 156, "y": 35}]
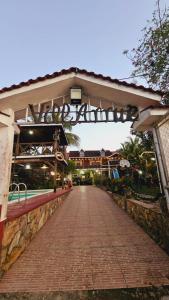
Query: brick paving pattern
[{"x": 89, "y": 243}]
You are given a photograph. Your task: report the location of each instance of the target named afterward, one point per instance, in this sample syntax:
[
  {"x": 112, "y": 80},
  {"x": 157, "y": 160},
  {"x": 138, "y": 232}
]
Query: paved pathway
[{"x": 89, "y": 243}]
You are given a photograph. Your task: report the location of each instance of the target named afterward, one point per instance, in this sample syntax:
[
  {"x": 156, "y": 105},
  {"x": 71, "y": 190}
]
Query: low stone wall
[
  {"x": 18, "y": 232},
  {"x": 150, "y": 219},
  {"x": 120, "y": 200},
  {"x": 148, "y": 293}
]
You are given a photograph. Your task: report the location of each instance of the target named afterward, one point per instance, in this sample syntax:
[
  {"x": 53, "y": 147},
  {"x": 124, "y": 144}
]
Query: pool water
[{"x": 16, "y": 196}]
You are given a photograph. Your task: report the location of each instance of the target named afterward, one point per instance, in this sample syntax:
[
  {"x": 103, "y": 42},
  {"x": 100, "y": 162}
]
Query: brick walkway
[{"x": 89, "y": 243}]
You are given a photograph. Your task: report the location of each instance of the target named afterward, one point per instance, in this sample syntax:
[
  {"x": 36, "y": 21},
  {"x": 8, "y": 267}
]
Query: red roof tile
[
  {"x": 80, "y": 71},
  {"x": 89, "y": 153}
]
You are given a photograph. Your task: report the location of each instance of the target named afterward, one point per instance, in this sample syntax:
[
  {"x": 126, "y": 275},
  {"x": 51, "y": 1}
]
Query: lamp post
[
  {"x": 140, "y": 172},
  {"x": 55, "y": 145},
  {"x": 109, "y": 170}
]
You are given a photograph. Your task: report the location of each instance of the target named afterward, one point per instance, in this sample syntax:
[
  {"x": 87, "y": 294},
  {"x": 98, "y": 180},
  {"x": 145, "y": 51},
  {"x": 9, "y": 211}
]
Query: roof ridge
[{"x": 80, "y": 71}]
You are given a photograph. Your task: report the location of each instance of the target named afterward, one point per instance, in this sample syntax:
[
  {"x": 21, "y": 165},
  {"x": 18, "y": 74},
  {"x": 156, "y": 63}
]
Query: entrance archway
[{"x": 38, "y": 99}]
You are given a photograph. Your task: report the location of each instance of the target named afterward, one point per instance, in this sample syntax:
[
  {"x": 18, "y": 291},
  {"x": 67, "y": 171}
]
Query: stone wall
[
  {"x": 149, "y": 218},
  {"x": 148, "y": 293},
  {"x": 17, "y": 233},
  {"x": 120, "y": 200}
]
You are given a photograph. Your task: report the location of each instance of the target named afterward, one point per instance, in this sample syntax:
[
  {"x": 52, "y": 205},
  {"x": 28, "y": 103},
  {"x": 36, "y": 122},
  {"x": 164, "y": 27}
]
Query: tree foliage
[
  {"x": 151, "y": 57},
  {"x": 146, "y": 139},
  {"x": 132, "y": 149},
  {"x": 73, "y": 139},
  {"x": 70, "y": 168}
]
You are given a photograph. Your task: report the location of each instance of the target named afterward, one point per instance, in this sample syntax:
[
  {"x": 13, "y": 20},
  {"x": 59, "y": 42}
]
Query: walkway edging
[{"x": 153, "y": 222}]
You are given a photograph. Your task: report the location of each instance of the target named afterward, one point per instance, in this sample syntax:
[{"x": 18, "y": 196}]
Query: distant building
[{"x": 95, "y": 159}]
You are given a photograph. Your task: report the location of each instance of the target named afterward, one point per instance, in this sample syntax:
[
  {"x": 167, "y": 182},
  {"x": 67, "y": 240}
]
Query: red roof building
[{"x": 94, "y": 159}]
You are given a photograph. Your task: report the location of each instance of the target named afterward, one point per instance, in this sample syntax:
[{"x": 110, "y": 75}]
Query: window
[
  {"x": 81, "y": 153},
  {"x": 102, "y": 153}
]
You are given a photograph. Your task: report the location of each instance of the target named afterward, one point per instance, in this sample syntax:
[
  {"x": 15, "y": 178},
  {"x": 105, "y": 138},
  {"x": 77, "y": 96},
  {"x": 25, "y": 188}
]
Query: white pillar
[{"x": 6, "y": 148}]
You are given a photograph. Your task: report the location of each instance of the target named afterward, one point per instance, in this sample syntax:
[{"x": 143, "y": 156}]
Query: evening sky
[{"x": 40, "y": 37}]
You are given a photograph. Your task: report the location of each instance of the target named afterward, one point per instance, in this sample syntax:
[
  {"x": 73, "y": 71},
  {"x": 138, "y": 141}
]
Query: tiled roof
[
  {"x": 89, "y": 153},
  {"x": 80, "y": 71},
  {"x": 74, "y": 154}
]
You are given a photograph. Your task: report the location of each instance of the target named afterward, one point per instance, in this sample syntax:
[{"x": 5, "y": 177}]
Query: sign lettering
[{"x": 64, "y": 114}]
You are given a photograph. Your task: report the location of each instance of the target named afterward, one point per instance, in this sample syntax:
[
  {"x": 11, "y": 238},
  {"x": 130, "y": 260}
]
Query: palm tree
[
  {"x": 73, "y": 139},
  {"x": 132, "y": 150}
]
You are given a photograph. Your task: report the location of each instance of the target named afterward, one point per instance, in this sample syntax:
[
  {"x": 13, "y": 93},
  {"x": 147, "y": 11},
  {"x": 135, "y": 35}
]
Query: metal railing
[{"x": 17, "y": 190}]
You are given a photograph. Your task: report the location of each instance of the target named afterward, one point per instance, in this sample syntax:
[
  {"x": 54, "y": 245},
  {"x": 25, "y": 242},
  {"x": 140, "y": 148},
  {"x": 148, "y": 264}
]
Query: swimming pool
[{"x": 15, "y": 196}]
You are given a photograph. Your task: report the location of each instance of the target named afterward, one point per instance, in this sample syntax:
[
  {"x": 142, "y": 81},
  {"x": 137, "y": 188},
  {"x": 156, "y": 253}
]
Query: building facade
[{"x": 95, "y": 159}]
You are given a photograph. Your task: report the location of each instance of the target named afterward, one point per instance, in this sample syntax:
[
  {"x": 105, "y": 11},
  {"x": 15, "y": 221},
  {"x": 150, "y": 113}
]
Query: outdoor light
[
  {"x": 76, "y": 95},
  {"x": 44, "y": 167},
  {"x": 98, "y": 171},
  {"x": 52, "y": 173},
  {"x": 31, "y": 132},
  {"x": 140, "y": 172},
  {"x": 153, "y": 159},
  {"x": 28, "y": 167}
]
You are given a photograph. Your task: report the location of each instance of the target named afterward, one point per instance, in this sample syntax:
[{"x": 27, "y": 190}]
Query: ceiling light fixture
[{"x": 76, "y": 95}]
